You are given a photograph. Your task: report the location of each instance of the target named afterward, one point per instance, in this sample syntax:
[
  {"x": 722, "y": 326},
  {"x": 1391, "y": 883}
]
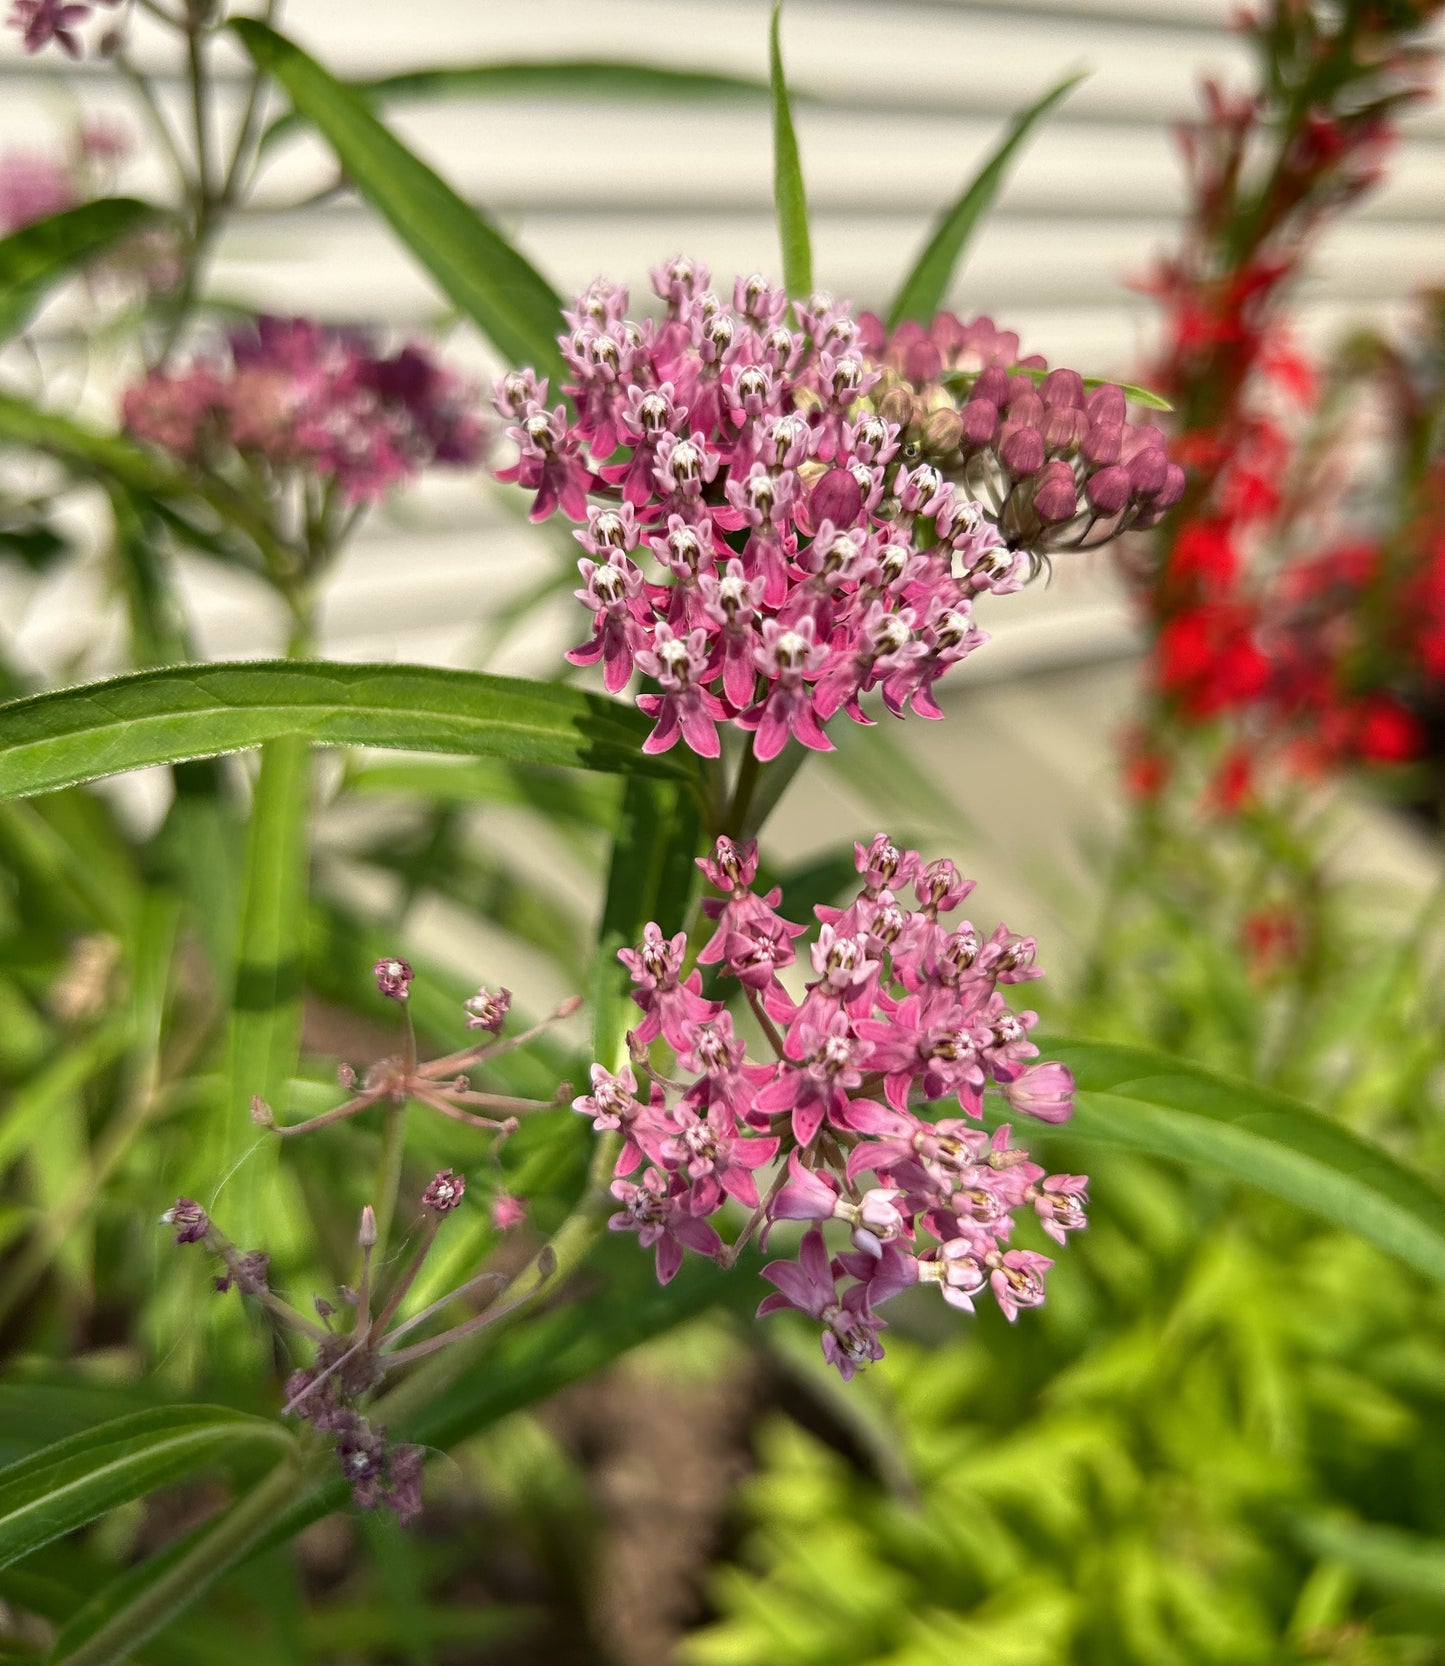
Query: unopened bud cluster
[
  {"x": 904, "y": 1009},
  {"x": 1056, "y": 464},
  {"x": 764, "y": 537}
]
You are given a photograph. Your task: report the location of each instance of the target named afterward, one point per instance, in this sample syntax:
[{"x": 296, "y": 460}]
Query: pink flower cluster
[
  {"x": 42, "y": 21},
  {"x": 294, "y": 395},
  {"x": 904, "y": 1008},
  {"x": 804, "y": 560},
  {"x": 33, "y": 186}
]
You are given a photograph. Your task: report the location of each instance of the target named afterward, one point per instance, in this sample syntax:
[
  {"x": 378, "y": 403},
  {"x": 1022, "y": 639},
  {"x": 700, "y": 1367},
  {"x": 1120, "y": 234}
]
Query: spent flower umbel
[{"x": 905, "y": 1008}]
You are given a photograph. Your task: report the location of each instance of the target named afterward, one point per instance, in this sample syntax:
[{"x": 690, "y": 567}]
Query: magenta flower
[
  {"x": 822, "y": 519},
  {"x": 904, "y": 1009},
  {"x": 291, "y": 396}
]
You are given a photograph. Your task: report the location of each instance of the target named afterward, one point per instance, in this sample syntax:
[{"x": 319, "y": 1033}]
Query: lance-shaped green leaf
[
  {"x": 1146, "y": 1102},
  {"x": 200, "y": 711},
  {"x": 652, "y": 877},
  {"x": 87, "y": 451},
  {"x": 474, "y": 265},
  {"x": 66, "y": 1485},
  {"x": 36, "y": 258},
  {"x": 573, "y": 78},
  {"x": 265, "y": 1037},
  {"x": 789, "y": 198},
  {"x": 926, "y": 285},
  {"x": 1131, "y": 391}
]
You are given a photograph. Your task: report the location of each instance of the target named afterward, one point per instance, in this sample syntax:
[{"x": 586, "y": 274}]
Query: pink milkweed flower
[
  {"x": 1017, "y": 1280},
  {"x": 684, "y": 708},
  {"x": 716, "y": 1161},
  {"x": 32, "y": 187},
  {"x": 1059, "y": 1203},
  {"x": 613, "y": 590},
  {"x": 1045, "y": 1091},
  {"x": 850, "y": 1339},
  {"x": 816, "y": 1087},
  {"x": 508, "y": 1212},
  {"x": 43, "y": 21},
  {"x": 670, "y": 1006},
  {"x": 655, "y": 1210},
  {"x": 790, "y": 658}
]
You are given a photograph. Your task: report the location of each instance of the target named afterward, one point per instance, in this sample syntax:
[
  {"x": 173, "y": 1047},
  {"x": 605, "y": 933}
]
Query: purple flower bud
[
  {"x": 1055, "y": 497},
  {"x": 992, "y": 385},
  {"x": 922, "y": 362},
  {"x": 896, "y": 406},
  {"x": 1021, "y": 387},
  {"x": 1063, "y": 389},
  {"x": 980, "y": 422},
  {"x": 943, "y": 432},
  {"x": 838, "y": 498},
  {"x": 1026, "y": 410},
  {"x": 1022, "y": 452},
  {"x": 1173, "y": 488},
  {"x": 1108, "y": 489},
  {"x": 444, "y": 1192},
  {"x": 1147, "y": 470},
  {"x": 392, "y": 978},
  {"x": 1106, "y": 405},
  {"x": 1104, "y": 442},
  {"x": 1064, "y": 428},
  {"x": 190, "y": 1220}
]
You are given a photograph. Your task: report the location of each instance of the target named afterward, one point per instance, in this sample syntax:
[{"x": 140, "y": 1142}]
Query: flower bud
[
  {"x": 942, "y": 432},
  {"x": 838, "y": 498},
  {"x": 1147, "y": 470},
  {"x": 922, "y": 362},
  {"x": 1064, "y": 428},
  {"x": 993, "y": 385},
  {"x": 508, "y": 1212},
  {"x": 1063, "y": 389},
  {"x": 366, "y": 1232},
  {"x": 896, "y": 406},
  {"x": 1106, "y": 405},
  {"x": 1104, "y": 442},
  {"x": 1026, "y": 410},
  {"x": 1022, "y": 452},
  {"x": 979, "y": 418},
  {"x": 261, "y": 1113},
  {"x": 1108, "y": 489},
  {"x": 1173, "y": 488},
  {"x": 1055, "y": 497},
  {"x": 1020, "y": 387}
]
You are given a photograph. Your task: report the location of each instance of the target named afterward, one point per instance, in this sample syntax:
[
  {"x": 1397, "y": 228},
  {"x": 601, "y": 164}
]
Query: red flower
[
  {"x": 1205, "y": 551},
  {"x": 1207, "y": 657}
]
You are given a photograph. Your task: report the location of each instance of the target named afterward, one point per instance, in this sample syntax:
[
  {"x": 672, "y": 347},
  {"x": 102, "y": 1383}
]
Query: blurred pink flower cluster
[
  {"x": 904, "y": 1009},
  {"x": 291, "y": 394},
  {"x": 803, "y": 560}
]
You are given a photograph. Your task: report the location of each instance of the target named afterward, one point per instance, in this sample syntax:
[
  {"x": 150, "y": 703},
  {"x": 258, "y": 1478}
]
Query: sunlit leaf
[
  {"x": 194, "y": 711},
  {"x": 789, "y": 198},
  {"x": 1149, "y": 1103},
  {"x": 36, "y": 258},
  {"x": 474, "y": 265},
  {"x": 926, "y": 285},
  {"x": 66, "y": 1485},
  {"x": 573, "y": 78}
]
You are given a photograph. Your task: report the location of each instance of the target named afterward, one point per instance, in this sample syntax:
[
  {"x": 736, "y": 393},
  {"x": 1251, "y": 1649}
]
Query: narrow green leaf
[
  {"x": 1388, "y": 1558},
  {"x": 87, "y": 451},
  {"x": 197, "y": 711},
  {"x": 474, "y": 265},
  {"x": 578, "y": 800},
  {"x": 265, "y": 1037},
  {"x": 789, "y": 198},
  {"x": 1147, "y": 1102},
  {"x": 926, "y": 285},
  {"x": 39, "y": 256},
  {"x": 1131, "y": 391},
  {"x": 652, "y": 877},
  {"x": 572, "y": 78},
  {"x": 66, "y": 1485}
]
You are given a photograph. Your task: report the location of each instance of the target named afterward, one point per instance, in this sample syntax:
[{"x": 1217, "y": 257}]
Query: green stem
[
  {"x": 388, "y": 1173},
  {"x": 220, "y": 1549},
  {"x": 569, "y": 1247}
]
